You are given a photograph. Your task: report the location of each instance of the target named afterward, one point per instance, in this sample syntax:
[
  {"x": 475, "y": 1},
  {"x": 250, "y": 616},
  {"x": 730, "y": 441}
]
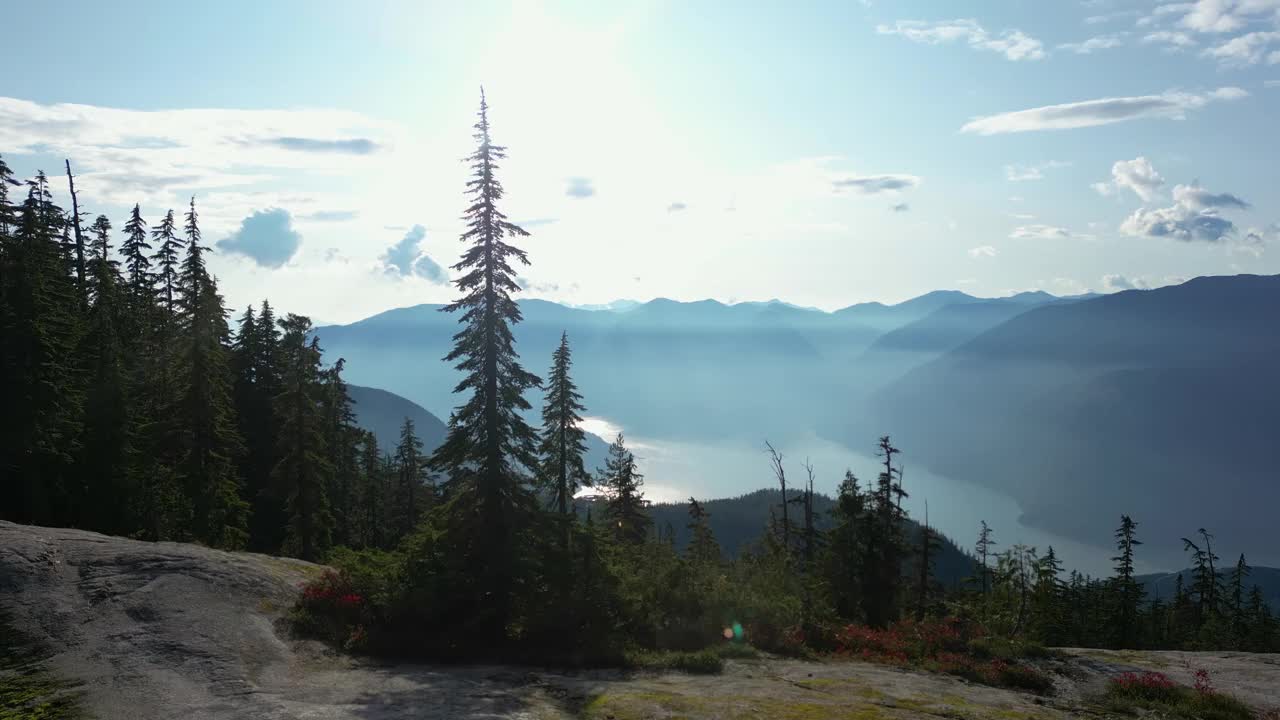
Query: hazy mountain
[
  {"x": 1161, "y": 585},
  {"x": 383, "y": 413},
  {"x": 666, "y": 369},
  {"x": 1160, "y": 403},
  {"x": 902, "y": 348}
]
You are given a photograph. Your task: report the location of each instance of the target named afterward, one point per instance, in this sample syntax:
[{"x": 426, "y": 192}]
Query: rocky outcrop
[{"x": 151, "y": 631}]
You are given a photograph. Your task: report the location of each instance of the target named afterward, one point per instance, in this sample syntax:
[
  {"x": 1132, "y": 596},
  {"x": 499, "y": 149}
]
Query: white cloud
[
  {"x": 1271, "y": 83},
  {"x": 1091, "y": 113},
  {"x": 983, "y": 251},
  {"x": 1020, "y": 173},
  {"x": 1213, "y": 16},
  {"x": 1173, "y": 39},
  {"x": 1242, "y": 50},
  {"x": 1108, "y": 17},
  {"x": 1137, "y": 175},
  {"x": 1040, "y": 232},
  {"x": 1101, "y": 42},
  {"x": 1194, "y": 215},
  {"x": 1013, "y": 44},
  {"x": 875, "y": 184},
  {"x": 1158, "y": 14},
  {"x": 1116, "y": 282},
  {"x": 159, "y": 158}
]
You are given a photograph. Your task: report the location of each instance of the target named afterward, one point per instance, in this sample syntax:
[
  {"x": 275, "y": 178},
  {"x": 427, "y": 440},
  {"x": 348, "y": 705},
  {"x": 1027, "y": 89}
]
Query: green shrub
[
  {"x": 735, "y": 650},
  {"x": 1024, "y": 677},
  {"x": 702, "y": 662},
  {"x": 1154, "y": 692}
]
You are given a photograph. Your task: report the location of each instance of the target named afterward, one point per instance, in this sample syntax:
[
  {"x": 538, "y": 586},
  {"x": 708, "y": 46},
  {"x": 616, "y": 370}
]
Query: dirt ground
[{"x": 167, "y": 630}]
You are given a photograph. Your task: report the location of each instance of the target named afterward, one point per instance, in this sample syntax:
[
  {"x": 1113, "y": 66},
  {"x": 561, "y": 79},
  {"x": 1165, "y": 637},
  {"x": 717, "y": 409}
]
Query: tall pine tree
[
  {"x": 563, "y": 440},
  {"x": 626, "y": 507},
  {"x": 207, "y": 440},
  {"x": 303, "y": 469},
  {"x": 489, "y": 448}
]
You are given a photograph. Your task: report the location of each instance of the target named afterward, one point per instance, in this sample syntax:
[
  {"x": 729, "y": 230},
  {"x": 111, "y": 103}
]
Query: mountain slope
[
  {"x": 662, "y": 369},
  {"x": 383, "y": 414},
  {"x": 1159, "y": 403}
]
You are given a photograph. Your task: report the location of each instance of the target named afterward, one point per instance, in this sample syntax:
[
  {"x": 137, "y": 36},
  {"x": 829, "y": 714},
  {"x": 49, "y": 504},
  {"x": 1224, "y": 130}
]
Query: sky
[{"x": 824, "y": 153}]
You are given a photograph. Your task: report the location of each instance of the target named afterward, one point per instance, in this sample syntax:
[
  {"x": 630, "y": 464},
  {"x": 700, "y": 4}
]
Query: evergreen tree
[
  {"x": 168, "y": 259},
  {"x": 1204, "y": 575},
  {"x": 207, "y": 441},
  {"x": 847, "y": 549},
  {"x": 626, "y": 507},
  {"x": 702, "y": 546},
  {"x": 136, "y": 263},
  {"x": 885, "y": 544},
  {"x": 489, "y": 447},
  {"x": 256, "y": 367},
  {"x": 1128, "y": 593},
  {"x": 41, "y": 431},
  {"x": 563, "y": 440},
  {"x": 983, "y": 550},
  {"x": 1050, "y": 626},
  {"x": 371, "y": 496},
  {"x": 342, "y": 447},
  {"x": 926, "y": 587},
  {"x": 105, "y": 467},
  {"x": 303, "y": 469},
  {"x": 411, "y": 473},
  {"x": 8, "y": 211},
  {"x": 1239, "y": 621}
]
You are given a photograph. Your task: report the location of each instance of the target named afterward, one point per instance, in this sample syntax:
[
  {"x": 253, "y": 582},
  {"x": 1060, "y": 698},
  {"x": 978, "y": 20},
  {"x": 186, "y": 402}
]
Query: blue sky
[{"x": 823, "y": 153}]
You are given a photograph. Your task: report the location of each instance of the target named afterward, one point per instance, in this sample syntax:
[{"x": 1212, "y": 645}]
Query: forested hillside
[
  {"x": 136, "y": 409},
  {"x": 739, "y": 523}
]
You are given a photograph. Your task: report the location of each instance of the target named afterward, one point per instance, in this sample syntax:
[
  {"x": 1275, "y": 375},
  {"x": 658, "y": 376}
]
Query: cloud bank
[
  {"x": 1015, "y": 45},
  {"x": 1104, "y": 111}
]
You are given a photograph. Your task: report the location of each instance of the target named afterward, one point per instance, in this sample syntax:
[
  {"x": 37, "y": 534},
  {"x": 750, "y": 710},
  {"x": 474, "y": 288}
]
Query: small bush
[
  {"x": 1024, "y": 677},
  {"x": 330, "y": 609},
  {"x": 737, "y": 651},
  {"x": 1155, "y": 692},
  {"x": 1006, "y": 649},
  {"x": 1147, "y": 686}
]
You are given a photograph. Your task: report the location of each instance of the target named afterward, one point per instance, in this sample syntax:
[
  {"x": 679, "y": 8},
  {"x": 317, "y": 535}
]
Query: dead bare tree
[
  {"x": 75, "y": 226},
  {"x": 775, "y": 460}
]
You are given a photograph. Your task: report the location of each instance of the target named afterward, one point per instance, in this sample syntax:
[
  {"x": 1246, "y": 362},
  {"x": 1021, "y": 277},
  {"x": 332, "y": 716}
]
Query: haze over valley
[{"x": 1025, "y": 411}]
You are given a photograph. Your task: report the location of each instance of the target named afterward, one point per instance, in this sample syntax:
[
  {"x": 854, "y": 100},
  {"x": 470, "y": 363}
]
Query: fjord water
[{"x": 677, "y": 469}]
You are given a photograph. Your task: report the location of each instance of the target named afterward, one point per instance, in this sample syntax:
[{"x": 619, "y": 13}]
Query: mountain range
[{"x": 1161, "y": 404}]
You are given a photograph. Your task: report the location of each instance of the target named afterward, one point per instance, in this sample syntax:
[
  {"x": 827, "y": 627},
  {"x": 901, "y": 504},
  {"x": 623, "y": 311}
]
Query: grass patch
[
  {"x": 701, "y": 662},
  {"x": 1135, "y": 694},
  {"x": 737, "y": 651},
  {"x": 28, "y": 691}
]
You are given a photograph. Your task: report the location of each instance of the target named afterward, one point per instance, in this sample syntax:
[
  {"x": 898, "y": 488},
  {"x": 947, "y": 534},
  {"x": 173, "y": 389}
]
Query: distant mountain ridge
[{"x": 1162, "y": 404}]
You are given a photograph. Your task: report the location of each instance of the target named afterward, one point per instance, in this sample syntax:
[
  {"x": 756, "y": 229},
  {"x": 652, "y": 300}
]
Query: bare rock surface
[{"x": 169, "y": 630}]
